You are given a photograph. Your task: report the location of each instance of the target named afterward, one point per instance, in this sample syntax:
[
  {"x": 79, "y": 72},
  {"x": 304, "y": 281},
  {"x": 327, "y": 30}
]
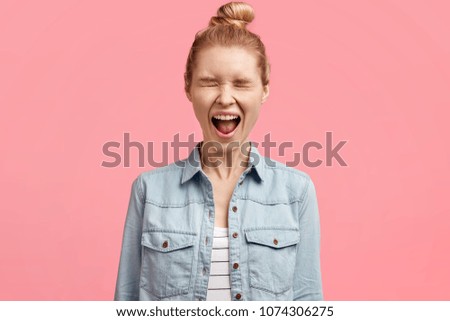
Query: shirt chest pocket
[
  {"x": 271, "y": 258},
  {"x": 167, "y": 262}
]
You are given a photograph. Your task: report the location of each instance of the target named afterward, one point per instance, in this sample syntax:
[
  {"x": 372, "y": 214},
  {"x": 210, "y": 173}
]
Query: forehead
[{"x": 221, "y": 61}]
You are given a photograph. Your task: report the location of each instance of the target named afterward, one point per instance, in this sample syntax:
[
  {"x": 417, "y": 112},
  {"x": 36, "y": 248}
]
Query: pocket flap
[
  {"x": 276, "y": 238},
  {"x": 166, "y": 241}
]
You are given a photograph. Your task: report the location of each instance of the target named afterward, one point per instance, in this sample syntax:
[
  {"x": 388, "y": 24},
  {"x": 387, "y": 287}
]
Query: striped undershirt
[{"x": 219, "y": 278}]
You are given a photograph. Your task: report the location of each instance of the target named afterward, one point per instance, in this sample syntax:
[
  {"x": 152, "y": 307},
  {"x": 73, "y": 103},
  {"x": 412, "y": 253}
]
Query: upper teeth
[{"x": 225, "y": 117}]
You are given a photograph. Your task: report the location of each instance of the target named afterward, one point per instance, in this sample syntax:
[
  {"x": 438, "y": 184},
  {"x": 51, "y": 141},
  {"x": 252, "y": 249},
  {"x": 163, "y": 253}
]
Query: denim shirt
[{"x": 274, "y": 234}]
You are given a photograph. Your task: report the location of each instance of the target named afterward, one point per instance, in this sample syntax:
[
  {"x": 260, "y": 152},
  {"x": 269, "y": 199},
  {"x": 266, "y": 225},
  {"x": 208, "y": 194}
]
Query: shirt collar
[{"x": 193, "y": 165}]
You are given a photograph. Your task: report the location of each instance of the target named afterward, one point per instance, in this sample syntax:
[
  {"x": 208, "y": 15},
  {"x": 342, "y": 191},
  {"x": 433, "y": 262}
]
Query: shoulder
[
  {"x": 284, "y": 183},
  {"x": 277, "y": 169},
  {"x": 162, "y": 185},
  {"x": 157, "y": 176},
  {"x": 169, "y": 171}
]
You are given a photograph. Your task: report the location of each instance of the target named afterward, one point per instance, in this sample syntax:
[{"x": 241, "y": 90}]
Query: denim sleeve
[
  {"x": 307, "y": 277},
  {"x": 127, "y": 285}
]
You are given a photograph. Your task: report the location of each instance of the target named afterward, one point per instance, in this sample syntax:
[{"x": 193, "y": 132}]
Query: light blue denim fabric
[{"x": 168, "y": 233}]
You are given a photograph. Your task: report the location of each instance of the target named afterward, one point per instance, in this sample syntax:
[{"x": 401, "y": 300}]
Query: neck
[{"x": 224, "y": 160}]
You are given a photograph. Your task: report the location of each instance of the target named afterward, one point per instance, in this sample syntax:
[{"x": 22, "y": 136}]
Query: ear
[
  {"x": 265, "y": 94},
  {"x": 188, "y": 95}
]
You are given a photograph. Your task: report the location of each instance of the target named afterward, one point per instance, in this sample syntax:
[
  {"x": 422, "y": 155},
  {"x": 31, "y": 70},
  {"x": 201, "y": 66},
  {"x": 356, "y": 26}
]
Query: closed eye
[
  {"x": 208, "y": 82},
  {"x": 209, "y": 85},
  {"x": 243, "y": 83}
]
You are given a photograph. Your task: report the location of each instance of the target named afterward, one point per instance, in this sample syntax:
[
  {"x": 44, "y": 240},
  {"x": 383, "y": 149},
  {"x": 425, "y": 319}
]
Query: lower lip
[{"x": 222, "y": 135}]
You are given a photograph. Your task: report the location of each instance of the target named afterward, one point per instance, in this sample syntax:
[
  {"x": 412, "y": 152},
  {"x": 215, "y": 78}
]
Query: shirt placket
[
  {"x": 234, "y": 244},
  {"x": 206, "y": 235},
  {"x": 205, "y": 247}
]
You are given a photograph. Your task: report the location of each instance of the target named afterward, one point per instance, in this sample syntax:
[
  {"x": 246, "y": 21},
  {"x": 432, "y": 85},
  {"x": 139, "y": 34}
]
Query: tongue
[{"x": 226, "y": 126}]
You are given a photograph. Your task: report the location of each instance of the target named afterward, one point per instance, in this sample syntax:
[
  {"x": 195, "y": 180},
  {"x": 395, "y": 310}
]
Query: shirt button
[
  {"x": 165, "y": 244},
  {"x": 235, "y": 266},
  {"x": 275, "y": 241},
  {"x": 238, "y": 296},
  {"x": 234, "y": 209},
  {"x": 235, "y": 235}
]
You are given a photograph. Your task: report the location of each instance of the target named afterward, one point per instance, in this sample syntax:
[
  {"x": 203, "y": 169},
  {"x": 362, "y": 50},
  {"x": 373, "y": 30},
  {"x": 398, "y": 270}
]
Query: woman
[{"x": 225, "y": 223}]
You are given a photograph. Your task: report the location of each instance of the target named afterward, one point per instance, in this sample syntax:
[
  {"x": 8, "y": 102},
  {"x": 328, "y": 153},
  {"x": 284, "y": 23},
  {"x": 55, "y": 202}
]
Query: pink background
[{"x": 77, "y": 74}]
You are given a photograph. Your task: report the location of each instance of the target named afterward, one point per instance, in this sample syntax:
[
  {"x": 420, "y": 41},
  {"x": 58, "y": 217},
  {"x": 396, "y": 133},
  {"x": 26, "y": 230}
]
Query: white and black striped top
[{"x": 219, "y": 278}]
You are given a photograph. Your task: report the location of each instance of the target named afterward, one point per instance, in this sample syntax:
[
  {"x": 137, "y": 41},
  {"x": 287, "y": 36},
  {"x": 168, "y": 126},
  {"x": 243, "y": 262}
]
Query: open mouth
[{"x": 226, "y": 124}]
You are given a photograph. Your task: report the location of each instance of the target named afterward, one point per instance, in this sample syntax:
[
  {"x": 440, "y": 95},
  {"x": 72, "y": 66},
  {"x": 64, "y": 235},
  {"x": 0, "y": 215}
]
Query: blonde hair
[{"x": 227, "y": 29}]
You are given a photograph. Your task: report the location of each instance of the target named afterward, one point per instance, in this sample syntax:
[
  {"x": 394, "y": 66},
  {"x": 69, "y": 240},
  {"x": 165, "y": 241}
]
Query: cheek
[
  {"x": 251, "y": 117},
  {"x": 252, "y": 106},
  {"x": 200, "y": 114},
  {"x": 201, "y": 111},
  {"x": 202, "y": 100}
]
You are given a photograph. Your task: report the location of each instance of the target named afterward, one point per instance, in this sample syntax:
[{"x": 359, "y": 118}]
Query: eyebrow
[
  {"x": 243, "y": 81},
  {"x": 207, "y": 79},
  {"x": 238, "y": 81}
]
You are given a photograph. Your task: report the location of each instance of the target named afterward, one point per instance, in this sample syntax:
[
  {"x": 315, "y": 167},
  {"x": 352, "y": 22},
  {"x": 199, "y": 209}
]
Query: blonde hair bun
[
  {"x": 238, "y": 14},
  {"x": 228, "y": 29}
]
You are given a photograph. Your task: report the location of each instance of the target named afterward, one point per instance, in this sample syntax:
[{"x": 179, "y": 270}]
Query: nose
[{"x": 225, "y": 96}]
